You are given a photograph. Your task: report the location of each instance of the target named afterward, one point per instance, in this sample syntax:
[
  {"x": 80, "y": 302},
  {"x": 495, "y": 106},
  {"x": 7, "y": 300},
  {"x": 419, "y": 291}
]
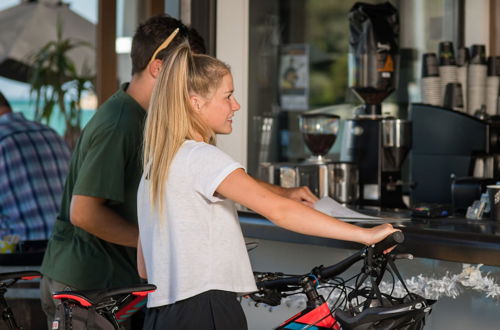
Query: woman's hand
[
  {"x": 301, "y": 194},
  {"x": 378, "y": 233}
]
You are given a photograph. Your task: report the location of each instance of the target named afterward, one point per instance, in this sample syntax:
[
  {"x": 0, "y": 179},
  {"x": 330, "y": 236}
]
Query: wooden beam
[
  {"x": 106, "y": 59},
  {"x": 494, "y": 28},
  {"x": 155, "y": 7},
  {"x": 148, "y": 8}
]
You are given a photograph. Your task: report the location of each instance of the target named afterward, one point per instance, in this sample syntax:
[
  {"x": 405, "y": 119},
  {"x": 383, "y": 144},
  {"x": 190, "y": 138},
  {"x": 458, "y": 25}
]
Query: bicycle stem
[{"x": 314, "y": 299}]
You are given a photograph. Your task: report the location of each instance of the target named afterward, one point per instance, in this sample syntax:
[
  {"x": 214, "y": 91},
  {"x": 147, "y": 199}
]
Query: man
[
  {"x": 33, "y": 166},
  {"x": 93, "y": 245}
]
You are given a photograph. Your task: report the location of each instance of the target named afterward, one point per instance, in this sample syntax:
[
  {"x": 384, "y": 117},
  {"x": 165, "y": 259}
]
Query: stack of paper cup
[
  {"x": 476, "y": 79},
  {"x": 447, "y": 65},
  {"x": 492, "y": 85},
  {"x": 453, "y": 98},
  {"x": 431, "y": 83},
  {"x": 462, "y": 67}
]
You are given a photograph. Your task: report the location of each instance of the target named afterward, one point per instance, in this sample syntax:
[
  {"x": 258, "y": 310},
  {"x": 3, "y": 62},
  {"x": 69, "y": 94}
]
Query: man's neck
[{"x": 140, "y": 89}]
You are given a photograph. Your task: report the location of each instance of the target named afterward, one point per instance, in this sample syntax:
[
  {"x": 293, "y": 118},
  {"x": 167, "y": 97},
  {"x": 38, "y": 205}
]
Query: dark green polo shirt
[{"x": 106, "y": 163}]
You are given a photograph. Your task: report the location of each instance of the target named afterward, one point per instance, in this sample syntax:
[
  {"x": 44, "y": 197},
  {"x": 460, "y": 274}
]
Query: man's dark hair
[
  {"x": 152, "y": 33},
  {"x": 4, "y": 102}
]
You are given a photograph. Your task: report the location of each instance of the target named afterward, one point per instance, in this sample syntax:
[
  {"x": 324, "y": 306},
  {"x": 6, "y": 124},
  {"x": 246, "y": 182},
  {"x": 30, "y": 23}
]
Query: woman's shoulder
[
  {"x": 195, "y": 146},
  {"x": 202, "y": 151}
]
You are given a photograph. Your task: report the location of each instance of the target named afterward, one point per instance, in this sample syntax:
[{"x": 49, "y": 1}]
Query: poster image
[{"x": 294, "y": 77}]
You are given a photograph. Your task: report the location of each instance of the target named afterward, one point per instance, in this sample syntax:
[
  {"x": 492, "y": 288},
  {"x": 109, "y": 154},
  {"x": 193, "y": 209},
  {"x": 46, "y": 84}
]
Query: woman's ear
[
  {"x": 154, "y": 68},
  {"x": 195, "y": 102}
]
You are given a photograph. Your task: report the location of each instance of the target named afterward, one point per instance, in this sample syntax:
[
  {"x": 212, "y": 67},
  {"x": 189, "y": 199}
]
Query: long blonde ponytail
[{"x": 171, "y": 119}]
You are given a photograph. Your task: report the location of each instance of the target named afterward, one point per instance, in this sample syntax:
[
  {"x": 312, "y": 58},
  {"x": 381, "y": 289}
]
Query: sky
[{"x": 16, "y": 90}]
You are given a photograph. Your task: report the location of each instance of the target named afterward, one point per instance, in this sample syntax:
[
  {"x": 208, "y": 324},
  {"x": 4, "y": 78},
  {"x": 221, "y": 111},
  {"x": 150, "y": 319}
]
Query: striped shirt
[{"x": 34, "y": 162}]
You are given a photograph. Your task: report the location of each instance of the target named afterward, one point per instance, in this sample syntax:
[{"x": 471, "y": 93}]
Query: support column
[
  {"x": 494, "y": 27},
  {"x": 106, "y": 59},
  {"x": 148, "y": 8}
]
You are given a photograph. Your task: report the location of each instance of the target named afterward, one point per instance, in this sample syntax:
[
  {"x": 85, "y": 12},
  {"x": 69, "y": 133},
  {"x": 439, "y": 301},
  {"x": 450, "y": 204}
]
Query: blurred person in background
[{"x": 34, "y": 163}]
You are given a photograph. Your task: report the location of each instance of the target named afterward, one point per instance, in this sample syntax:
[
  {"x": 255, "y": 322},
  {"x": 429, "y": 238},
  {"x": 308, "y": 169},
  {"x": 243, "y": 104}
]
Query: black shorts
[{"x": 211, "y": 310}]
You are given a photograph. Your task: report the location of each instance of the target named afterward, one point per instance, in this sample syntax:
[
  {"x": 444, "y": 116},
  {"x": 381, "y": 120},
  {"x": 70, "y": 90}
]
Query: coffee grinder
[
  {"x": 320, "y": 132},
  {"x": 377, "y": 144}
]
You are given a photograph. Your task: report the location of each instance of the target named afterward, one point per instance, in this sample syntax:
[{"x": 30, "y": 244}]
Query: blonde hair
[{"x": 171, "y": 119}]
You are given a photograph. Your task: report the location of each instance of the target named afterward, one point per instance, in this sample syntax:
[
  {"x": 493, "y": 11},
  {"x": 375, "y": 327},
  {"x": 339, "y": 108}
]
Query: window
[{"x": 286, "y": 33}]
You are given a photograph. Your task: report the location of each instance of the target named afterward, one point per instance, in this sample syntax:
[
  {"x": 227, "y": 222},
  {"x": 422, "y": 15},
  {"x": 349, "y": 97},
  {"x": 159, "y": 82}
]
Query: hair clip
[{"x": 164, "y": 45}]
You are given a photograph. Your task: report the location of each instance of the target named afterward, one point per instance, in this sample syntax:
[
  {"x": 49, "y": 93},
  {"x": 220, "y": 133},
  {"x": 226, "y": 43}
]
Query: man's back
[
  {"x": 33, "y": 166},
  {"x": 105, "y": 164}
]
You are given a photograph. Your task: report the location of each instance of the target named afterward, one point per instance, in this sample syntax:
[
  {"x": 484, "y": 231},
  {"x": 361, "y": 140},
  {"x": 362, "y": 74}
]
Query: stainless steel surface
[
  {"x": 289, "y": 175},
  {"x": 344, "y": 179},
  {"x": 396, "y": 143},
  {"x": 396, "y": 133}
]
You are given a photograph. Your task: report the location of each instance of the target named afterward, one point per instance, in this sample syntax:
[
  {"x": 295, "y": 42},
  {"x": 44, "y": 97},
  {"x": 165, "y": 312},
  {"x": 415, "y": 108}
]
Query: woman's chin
[{"x": 225, "y": 131}]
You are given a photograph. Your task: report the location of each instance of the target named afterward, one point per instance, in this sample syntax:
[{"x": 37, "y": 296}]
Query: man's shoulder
[
  {"x": 118, "y": 113},
  {"x": 21, "y": 125}
]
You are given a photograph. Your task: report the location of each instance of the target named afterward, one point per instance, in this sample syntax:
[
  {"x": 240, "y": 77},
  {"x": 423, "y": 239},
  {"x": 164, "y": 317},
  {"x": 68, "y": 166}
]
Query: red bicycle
[{"x": 359, "y": 306}]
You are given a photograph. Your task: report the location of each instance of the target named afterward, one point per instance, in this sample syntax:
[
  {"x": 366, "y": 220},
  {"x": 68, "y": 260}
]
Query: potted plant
[{"x": 55, "y": 81}]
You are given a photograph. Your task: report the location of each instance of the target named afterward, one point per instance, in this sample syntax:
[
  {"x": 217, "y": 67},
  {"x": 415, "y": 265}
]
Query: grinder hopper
[{"x": 373, "y": 53}]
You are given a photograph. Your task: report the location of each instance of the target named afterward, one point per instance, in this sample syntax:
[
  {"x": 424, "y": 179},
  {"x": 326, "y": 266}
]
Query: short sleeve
[
  {"x": 210, "y": 166},
  {"x": 102, "y": 171}
]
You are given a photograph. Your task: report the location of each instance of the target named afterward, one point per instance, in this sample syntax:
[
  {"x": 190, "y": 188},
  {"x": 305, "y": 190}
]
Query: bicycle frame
[
  {"x": 115, "y": 305},
  {"x": 7, "y": 280},
  {"x": 316, "y": 316}
]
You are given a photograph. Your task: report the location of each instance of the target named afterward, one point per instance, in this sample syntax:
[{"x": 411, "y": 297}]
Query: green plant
[{"x": 55, "y": 81}]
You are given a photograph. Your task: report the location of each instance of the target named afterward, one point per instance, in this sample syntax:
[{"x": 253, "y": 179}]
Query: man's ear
[{"x": 154, "y": 68}]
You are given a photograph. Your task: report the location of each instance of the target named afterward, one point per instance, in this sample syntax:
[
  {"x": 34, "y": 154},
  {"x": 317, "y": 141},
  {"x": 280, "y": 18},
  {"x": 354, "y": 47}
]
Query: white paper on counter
[{"x": 333, "y": 208}]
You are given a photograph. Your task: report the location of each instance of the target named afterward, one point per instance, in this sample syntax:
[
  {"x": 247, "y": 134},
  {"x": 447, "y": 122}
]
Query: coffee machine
[{"x": 377, "y": 144}]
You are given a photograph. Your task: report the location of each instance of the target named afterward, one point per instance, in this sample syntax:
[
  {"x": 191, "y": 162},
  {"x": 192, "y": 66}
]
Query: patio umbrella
[{"x": 27, "y": 27}]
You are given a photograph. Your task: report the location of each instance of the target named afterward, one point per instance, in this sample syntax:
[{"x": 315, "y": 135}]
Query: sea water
[{"x": 27, "y": 108}]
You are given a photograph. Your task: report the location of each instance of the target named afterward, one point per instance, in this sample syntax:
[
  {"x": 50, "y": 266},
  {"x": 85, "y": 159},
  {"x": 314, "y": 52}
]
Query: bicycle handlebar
[
  {"x": 395, "y": 238},
  {"x": 325, "y": 273}
]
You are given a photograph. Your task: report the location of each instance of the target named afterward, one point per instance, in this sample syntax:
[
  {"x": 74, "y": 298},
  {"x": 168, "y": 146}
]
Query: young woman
[{"x": 190, "y": 244}]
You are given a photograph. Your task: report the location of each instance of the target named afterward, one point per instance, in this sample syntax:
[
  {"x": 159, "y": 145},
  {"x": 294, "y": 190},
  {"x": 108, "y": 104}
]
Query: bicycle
[
  {"x": 7, "y": 280},
  {"x": 358, "y": 307},
  {"x": 104, "y": 309}
]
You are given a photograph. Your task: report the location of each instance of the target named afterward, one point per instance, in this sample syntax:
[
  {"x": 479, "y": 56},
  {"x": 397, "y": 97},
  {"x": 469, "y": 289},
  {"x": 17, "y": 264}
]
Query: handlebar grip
[{"x": 395, "y": 238}]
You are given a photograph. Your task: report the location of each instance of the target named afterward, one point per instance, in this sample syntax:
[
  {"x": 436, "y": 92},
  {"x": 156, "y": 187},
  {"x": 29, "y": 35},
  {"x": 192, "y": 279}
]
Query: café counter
[{"x": 449, "y": 239}]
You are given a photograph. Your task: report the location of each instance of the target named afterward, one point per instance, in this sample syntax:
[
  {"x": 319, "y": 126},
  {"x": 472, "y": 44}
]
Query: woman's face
[{"x": 218, "y": 111}]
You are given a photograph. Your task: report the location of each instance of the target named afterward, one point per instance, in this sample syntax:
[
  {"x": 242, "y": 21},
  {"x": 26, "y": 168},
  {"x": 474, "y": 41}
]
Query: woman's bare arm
[{"x": 292, "y": 215}]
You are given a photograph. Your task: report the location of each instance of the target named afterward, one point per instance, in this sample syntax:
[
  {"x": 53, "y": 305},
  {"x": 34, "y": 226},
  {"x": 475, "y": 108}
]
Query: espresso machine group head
[{"x": 377, "y": 144}]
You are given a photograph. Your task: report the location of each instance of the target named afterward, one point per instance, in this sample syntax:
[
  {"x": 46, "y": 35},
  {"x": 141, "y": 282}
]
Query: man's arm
[
  {"x": 299, "y": 194},
  {"x": 92, "y": 215}
]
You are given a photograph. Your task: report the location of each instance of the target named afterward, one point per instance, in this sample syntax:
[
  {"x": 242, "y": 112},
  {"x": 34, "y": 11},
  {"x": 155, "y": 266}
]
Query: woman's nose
[{"x": 236, "y": 105}]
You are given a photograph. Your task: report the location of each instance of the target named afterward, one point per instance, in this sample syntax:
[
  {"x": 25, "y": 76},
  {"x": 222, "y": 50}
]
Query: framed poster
[{"x": 294, "y": 77}]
